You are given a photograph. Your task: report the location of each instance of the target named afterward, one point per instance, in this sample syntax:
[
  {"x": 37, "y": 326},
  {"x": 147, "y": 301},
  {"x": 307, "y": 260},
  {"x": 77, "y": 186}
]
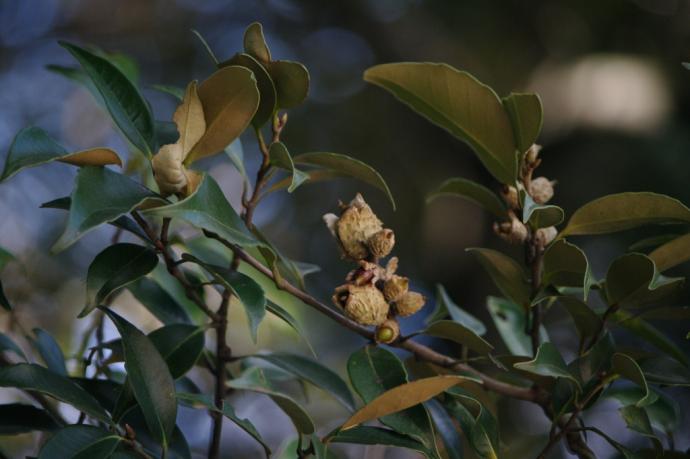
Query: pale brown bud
[
  {"x": 541, "y": 190},
  {"x": 363, "y": 304},
  {"x": 532, "y": 154},
  {"x": 391, "y": 266},
  {"x": 387, "y": 332},
  {"x": 510, "y": 195},
  {"x": 546, "y": 235},
  {"x": 513, "y": 232},
  {"x": 409, "y": 303},
  {"x": 355, "y": 227},
  {"x": 381, "y": 243},
  {"x": 395, "y": 287}
]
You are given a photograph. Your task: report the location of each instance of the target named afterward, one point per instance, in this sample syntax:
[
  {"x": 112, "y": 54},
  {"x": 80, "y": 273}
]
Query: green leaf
[
  {"x": 18, "y": 418},
  {"x": 235, "y": 152},
  {"x": 7, "y": 345},
  {"x": 364, "y": 435},
  {"x": 542, "y": 216},
  {"x": 620, "y": 448},
  {"x": 280, "y": 157},
  {"x": 458, "y": 333},
  {"x": 207, "y": 208},
  {"x": 255, "y": 43},
  {"x": 547, "y": 362},
  {"x": 286, "y": 317},
  {"x": 28, "y": 376},
  {"x": 291, "y": 80},
  {"x": 477, "y": 423},
  {"x": 80, "y": 441},
  {"x": 565, "y": 265},
  {"x": 50, "y": 352},
  {"x": 628, "y": 368},
  {"x": 312, "y": 371},
  {"x": 32, "y": 146},
  {"x": 150, "y": 379},
  {"x": 100, "y": 195},
  {"x": 510, "y": 321},
  {"x": 205, "y": 401},
  {"x": 115, "y": 267},
  {"x": 267, "y": 90},
  {"x": 255, "y": 380},
  {"x": 444, "y": 425},
  {"x": 459, "y": 103},
  {"x": 507, "y": 274},
  {"x": 175, "y": 91},
  {"x": 664, "y": 412},
  {"x": 180, "y": 345},
  {"x": 636, "y": 419},
  {"x": 650, "y": 334},
  {"x": 348, "y": 167},
  {"x": 633, "y": 280},
  {"x": 472, "y": 191},
  {"x": 526, "y": 116},
  {"x": 672, "y": 253},
  {"x": 587, "y": 322},
  {"x": 622, "y": 211},
  {"x": 158, "y": 302},
  {"x": 446, "y": 306},
  {"x": 373, "y": 371},
  {"x": 125, "y": 104},
  {"x": 666, "y": 371}
]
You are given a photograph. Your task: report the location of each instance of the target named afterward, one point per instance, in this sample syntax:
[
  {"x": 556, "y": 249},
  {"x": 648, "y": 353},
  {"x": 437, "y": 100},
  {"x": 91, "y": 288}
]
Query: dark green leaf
[
  {"x": 473, "y": 191},
  {"x": 627, "y": 368},
  {"x": 526, "y": 116},
  {"x": 50, "y": 352},
  {"x": 446, "y": 306},
  {"x": 4, "y": 302},
  {"x": 458, "y": 333},
  {"x": 542, "y": 216},
  {"x": 650, "y": 334},
  {"x": 312, "y": 371},
  {"x": 159, "y": 302},
  {"x": 150, "y": 379},
  {"x": 622, "y": 211},
  {"x": 672, "y": 253},
  {"x": 255, "y": 43},
  {"x": 595, "y": 361},
  {"x": 364, "y": 435},
  {"x": 664, "y": 412},
  {"x": 166, "y": 132},
  {"x": 636, "y": 419},
  {"x": 587, "y": 322},
  {"x": 28, "y": 376},
  {"x": 346, "y": 166},
  {"x": 280, "y": 157},
  {"x": 620, "y": 448},
  {"x": 477, "y": 423},
  {"x": 267, "y": 90},
  {"x": 290, "y": 320},
  {"x": 565, "y": 265},
  {"x": 180, "y": 345},
  {"x": 17, "y": 418},
  {"x": 547, "y": 362},
  {"x": 665, "y": 371},
  {"x": 510, "y": 321},
  {"x": 444, "y": 425},
  {"x": 7, "y": 345},
  {"x": 507, "y": 274},
  {"x": 291, "y": 80},
  {"x": 459, "y": 103},
  {"x": 207, "y": 208},
  {"x": 115, "y": 267},
  {"x": 80, "y": 441},
  {"x": 127, "y": 107}
]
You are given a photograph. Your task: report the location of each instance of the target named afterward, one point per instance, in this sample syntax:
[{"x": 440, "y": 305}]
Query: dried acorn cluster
[
  {"x": 540, "y": 189},
  {"x": 372, "y": 294}
]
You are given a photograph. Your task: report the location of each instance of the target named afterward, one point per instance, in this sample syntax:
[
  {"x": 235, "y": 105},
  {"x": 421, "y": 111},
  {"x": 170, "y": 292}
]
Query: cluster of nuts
[
  {"x": 372, "y": 294},
  {"x": 540, "y": 189}
]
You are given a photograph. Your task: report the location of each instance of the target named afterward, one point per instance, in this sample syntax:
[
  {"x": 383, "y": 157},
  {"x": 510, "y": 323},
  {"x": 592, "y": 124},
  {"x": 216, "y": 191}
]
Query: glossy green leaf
[
  {"x": 207, "y": 208},
  {"x": 666, "y": 371},
  {"x": 477, "y": 423},
  {"x": 526, "y": 116},
  {"x": 286, "y": 317},
  {"x": 125, "y": 104},
  {"x": 587, "y": 322},
  {"x": 180, "y": 345},
  {"x": 267, "y": 90},
  {"x": 672, "y": 253},
  {"x": 115, "y": 267},
  {"x": 50, "y": 351},
  {"x": 255, "y": 380},
  {"x": 650, "y": 334},
  {"x": 18, "y": 418},
  {"x": 28, "y": 376},
  {"x": 507, "y": 274},
  {"x": 637, "y": 420},
  {"x": 628, "y": 368},
  {"x": 158, "y": 302},
  {"x": 291, "y": 80},
  {"x": 373, "y": 371},
  {"x": 7, "y": 345},
  {"x": 459, "y": 103},
  {"x": 446, "y": 306},
  {"x": 312, "y": 371},
  {"x": 235, "y": 152},
  {"x": 622, "y": 211},
  {"x": 205, "y": 401},
  {"x": 542, "y": 216},
  {"x": 633, "y": 280},
  {"x": 32, "y": 146},
  {"x": 547, "y": 362},
  {"x": 255, "y": 43},
  {"x": 472, "y": 191},
  {"x": 459, "y": 333},
  {"x": 150, "y": 379},
  {"x": 280, "y": 157},
  {"x": 664, "y": 412},
  {"x": 364, "y": 435},
  {"x": 595, "y": 361},
  {"x": 446, "y": 429},
  {"x": 510, "y": 320},
  {"x": 346, "y": 166},
  {"x": 565, "y": 265},
  {"x": 80, "y": 441},
  {"x": 100, "y": 195}
]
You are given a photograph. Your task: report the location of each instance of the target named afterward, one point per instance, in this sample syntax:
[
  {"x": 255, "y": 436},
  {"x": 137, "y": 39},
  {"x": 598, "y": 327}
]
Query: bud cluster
[{"x": 372, "y": 294}]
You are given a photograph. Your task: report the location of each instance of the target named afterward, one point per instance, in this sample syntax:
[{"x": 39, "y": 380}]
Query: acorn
[
  {"x": 513, "y": 232},
  {"x": 546, "y": 235},
  {"x": 541, "y": 190},
  {"x": 355, "y": 226},
  {"x": 395, "y": 287},
  {"x": 363, "y": 304},
  {"x": 381, "y": 244},
  {"x": 387, "y": 332},
  {"x": 409, "y": 303}
]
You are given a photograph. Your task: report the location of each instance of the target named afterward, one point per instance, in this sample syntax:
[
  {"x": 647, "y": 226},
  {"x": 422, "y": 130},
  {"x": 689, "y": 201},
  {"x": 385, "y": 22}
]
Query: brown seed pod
[
  {"x": 381, "y": 243},
  {"x": 546, "y": 235},
  {"x": 541, "y": 190},
  {"x": 366, "y": 273},
  {"x": 355, "y": 227},
  {"x": 387, "y": 332},
  {"x": 363, "y": 304},
  {"x": 513, "y": 232},
  {"x": 395, "y": 287},
  {"x": 409, "y": 303}
]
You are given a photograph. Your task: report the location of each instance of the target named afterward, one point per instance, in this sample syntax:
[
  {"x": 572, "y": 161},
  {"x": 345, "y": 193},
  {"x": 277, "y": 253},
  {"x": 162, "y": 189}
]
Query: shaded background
[{"x": 617, "y": 115}]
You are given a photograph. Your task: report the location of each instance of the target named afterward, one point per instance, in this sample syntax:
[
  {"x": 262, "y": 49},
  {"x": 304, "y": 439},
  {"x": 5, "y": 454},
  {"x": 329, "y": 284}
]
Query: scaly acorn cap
[
  {"x": 363, "y": 304},
  {"x": 356, "y": 225},
  {"x": 395, "y": 287},
  {"x": 541, "y": 190},
  {"x": 409, "y": 303},
  {"x": 387, "y": 332},
  {"x": 381, "y": 244}
]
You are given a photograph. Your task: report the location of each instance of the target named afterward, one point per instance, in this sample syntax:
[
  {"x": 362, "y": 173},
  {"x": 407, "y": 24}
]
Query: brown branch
[{"x": 223, "y": 354}]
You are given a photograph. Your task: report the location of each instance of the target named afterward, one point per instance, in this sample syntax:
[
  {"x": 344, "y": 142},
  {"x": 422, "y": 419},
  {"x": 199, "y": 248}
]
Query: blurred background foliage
[{"x": 617, "y": 118}]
